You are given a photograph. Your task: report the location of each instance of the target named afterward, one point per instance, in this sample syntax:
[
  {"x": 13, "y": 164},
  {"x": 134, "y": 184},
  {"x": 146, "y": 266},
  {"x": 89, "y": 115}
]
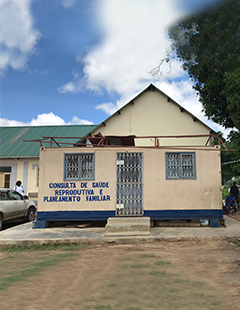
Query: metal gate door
[{"x": 129, "y": 184}]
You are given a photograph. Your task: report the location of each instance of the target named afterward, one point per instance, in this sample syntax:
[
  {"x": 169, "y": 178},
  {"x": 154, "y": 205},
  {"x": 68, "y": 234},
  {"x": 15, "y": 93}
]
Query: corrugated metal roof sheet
[{"x": 12, "y": 144}]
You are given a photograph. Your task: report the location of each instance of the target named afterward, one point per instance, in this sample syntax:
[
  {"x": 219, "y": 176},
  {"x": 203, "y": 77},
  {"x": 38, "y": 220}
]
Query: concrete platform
[
  {"x": 24, "y": 234},
  {"x": 127, "y": 226}
]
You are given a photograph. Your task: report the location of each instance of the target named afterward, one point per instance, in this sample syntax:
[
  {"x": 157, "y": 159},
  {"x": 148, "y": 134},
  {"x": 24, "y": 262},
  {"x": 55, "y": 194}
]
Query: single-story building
[
  {"x": 102, "y": 180},
  {"x": 169, "y": 141},
  {"x": 150, "y": 113}
]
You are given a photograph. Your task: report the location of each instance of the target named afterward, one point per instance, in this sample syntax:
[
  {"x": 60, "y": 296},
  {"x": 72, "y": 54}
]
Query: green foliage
[
  {"x": 43, "y": 247},
  {"x": 208, "y": 44},
  {"x": 159, "y": 287},
  {"x": 162, "y": 263},
  {"x": 230, "y": 170},
  {"x": 22, "y": 272},
  {"x": 125, "y": 287},
  {"x": 17, "y": 266},
  {"x": 225, "y": 192}
]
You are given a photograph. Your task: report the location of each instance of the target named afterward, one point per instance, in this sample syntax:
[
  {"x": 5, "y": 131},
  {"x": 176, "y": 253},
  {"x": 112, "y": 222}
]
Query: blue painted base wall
[
  {"x": 184, "y": 214},
  {"x": 74, "y": 215},
  {"x": 104, "y": 215}
]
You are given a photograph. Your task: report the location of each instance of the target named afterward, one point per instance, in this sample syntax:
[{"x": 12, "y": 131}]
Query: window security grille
[
  {"x": 180, "y": 166},
  {"x": 86, "y": 166},
  {"x": 79, "y": 166}
]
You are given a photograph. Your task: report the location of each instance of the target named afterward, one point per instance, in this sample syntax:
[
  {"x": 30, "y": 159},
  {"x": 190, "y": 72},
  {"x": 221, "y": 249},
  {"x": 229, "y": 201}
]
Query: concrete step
[{"x": 127, "y": 226}]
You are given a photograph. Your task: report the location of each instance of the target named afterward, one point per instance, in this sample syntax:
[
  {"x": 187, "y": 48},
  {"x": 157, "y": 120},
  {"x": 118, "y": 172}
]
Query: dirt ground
[{"x": 193, "y": 275}]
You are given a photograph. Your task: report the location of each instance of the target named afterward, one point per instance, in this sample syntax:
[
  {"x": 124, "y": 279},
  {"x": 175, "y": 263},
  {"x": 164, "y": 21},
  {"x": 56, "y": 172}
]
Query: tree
[
  {"x": 208, "y": 44},
  {"x": 231, "y": 160}
]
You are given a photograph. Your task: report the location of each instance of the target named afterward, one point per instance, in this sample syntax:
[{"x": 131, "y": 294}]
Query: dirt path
[{"x": 86, "y": 280}]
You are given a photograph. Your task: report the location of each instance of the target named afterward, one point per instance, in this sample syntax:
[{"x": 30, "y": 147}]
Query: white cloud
[
  {"x": 68, "y": 3},
  {"x": 70, "y": 87},
  {"x": 77, "y": 121},
  {"x": 12, "y": 123},
  {"x": 47, "y": 119},
  {"x": 18, "y": 38},
  {"x": 134, "y": 41},
  {"x": 44, "y": 120},
  {"x": 108, "y": 108}
]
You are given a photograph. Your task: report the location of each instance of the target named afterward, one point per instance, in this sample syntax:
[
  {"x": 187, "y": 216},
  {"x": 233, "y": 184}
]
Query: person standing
[
  {"x": 235, "y": 191},
  {"x": 231, "y": 204},
  {"x": 19, "y": 188}
]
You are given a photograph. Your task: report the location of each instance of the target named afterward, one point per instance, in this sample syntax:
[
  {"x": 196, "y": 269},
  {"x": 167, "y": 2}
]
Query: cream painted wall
[
  {"x": 158, "y": 193},
  {"x": 202, "y": 193},
  {"x": 152, "y": 115},
  {"x": 20, "y": 165},
  {"x": 32, "y": 176},
  {"x": 52, "y": 171}
]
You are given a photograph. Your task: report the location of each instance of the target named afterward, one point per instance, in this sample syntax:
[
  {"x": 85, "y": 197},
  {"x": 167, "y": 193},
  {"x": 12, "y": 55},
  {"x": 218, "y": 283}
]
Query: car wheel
[
  {"x": 1, "y": 221},
  {"x": 30, "y": 215}
]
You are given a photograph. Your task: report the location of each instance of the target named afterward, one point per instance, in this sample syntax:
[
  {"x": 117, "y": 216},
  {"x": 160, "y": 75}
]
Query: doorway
[
  {"x": 5, "y": 177},
  {"x": 129, "y": 184}
]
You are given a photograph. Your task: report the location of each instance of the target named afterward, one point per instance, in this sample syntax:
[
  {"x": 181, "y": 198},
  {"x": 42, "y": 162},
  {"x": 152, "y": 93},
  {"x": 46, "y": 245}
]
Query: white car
[{"x": 15, "y": 206}]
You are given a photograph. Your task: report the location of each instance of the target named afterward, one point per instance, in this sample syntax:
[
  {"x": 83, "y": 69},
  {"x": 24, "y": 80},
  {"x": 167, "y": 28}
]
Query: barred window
[
  {"x": 79, "y": 166},
  {"x": 180, "y": 165}
]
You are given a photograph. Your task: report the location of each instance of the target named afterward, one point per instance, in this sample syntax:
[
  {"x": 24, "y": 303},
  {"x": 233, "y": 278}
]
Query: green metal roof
[{"x": 12, "y": 144}]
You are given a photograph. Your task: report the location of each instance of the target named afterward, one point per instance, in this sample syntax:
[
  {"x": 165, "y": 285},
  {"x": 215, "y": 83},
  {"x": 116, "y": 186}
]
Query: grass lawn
[{"x": 135, "y": 281}]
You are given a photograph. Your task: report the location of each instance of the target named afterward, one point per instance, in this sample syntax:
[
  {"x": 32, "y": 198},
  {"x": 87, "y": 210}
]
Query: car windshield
[{"x": 15, "y": 195}]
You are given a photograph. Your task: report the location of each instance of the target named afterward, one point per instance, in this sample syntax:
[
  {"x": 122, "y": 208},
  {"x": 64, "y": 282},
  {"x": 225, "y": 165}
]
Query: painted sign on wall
[{"x": 69, "y": 192}]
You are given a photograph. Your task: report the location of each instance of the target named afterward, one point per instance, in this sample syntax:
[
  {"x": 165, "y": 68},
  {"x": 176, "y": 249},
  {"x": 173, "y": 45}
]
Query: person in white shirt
[{"x": 19, "y": 188}]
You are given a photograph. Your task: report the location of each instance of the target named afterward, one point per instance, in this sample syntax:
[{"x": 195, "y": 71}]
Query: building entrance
[{"x": 129, "y": 184}]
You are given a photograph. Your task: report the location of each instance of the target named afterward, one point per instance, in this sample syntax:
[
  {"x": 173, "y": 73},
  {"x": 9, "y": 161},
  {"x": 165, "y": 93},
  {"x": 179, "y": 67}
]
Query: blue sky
[{"x": 78, "y": 61}]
